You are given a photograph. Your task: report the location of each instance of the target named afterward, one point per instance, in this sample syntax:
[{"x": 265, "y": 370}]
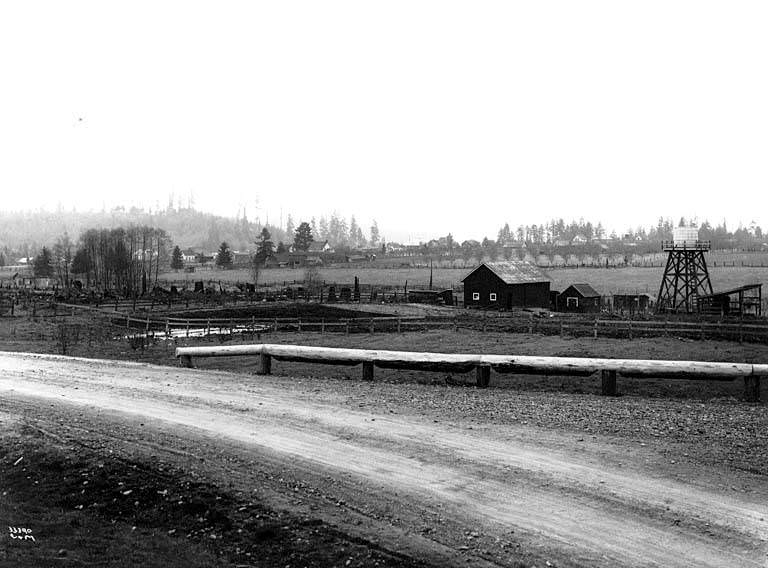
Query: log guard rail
[{"x": 463, "y": 363}]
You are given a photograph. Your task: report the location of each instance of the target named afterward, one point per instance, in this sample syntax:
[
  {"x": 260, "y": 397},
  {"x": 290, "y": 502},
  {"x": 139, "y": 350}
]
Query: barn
[
  {"x": 581, "y": 298},
  {"x": 506, "y": 284}
]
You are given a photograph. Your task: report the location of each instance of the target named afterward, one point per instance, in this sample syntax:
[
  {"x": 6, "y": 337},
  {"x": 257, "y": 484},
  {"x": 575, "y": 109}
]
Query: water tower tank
[{"x": 685, "y": 236}]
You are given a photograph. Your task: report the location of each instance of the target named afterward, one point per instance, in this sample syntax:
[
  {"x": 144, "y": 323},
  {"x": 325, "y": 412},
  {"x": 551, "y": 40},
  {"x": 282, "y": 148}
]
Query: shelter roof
[
  {"x": 744, "y": 288},
  {"x": 585, "y": 290},
  {"x": 514, "y": 272}
]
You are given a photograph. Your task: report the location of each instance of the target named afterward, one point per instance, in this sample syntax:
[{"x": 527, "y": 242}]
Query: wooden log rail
[{"x": 482, "y": 364}]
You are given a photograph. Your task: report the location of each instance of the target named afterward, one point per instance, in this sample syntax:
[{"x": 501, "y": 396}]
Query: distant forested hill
[{"x": 31, "y": 230}]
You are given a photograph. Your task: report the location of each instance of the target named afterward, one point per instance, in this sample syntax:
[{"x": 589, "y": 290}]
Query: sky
[{"x": 430, "y": 117}]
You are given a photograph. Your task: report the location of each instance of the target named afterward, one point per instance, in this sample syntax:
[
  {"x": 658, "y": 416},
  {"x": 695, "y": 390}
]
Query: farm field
[{"x": 604, "y": 280}]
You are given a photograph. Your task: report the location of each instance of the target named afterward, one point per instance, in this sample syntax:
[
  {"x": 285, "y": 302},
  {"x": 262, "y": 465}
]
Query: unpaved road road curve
[{"x": 569, "y": 502}]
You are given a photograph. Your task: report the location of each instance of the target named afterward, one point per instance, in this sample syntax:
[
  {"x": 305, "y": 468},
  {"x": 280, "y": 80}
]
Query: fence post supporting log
[
  {"x": 609, "y": 383},
  {"x": 483, "y": 375},
  {"x": 752, "y": 388},
  {"x": 265, "y": 364},
  {"x": 368, "y": 370},
  {"x": 186, "y": 361}
]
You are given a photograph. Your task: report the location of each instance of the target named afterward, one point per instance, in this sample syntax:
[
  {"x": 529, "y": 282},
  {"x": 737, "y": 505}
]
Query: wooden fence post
[
  {"x": 630, "y": 329},
  {"x": 595, "y": 331},
  {"x": 322, "y": 325},
  {"x": 187, "y": 329},
  {"x": 265, "y": 364},
  {"x": 370, "y": 329},
  {"x": 752, "y": 388},
  {"x": 347, "y": 327},
  {"x": 608, "y": 383},
  {"x": 368, "y": 370},
  {"x": 398, "y": 324},
  {"x": 186, "y": 361},
  {"x": 483, "y": 376}
]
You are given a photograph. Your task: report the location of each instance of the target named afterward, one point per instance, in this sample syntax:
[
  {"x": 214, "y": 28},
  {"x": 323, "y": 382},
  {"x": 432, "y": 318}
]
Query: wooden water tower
[{"x": 686, "y": 276}]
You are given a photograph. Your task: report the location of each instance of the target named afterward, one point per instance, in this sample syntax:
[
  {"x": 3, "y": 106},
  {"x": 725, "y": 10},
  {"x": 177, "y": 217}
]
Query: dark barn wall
[
  {"x": 484, "y": 281},
  {"x": 529, "y": 295}
]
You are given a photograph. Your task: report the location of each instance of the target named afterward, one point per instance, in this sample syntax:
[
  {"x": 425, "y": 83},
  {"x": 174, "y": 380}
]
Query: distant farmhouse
[{"x": 507, "y": 284}]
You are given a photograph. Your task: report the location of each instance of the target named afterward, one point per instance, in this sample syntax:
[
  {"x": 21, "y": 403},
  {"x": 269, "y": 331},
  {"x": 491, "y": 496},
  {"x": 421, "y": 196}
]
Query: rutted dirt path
[{"x": 572, "y": 503}]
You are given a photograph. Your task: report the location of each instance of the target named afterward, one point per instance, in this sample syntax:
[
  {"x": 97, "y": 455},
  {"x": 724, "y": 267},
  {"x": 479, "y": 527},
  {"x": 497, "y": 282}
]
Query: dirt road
[{"x": 451, "y": 492}]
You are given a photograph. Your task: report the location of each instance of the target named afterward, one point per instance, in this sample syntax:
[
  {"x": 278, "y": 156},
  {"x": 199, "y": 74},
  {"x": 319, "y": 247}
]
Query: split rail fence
[
  {"x": 483, "y": 364},
  {"x": 750, "y": 331}
]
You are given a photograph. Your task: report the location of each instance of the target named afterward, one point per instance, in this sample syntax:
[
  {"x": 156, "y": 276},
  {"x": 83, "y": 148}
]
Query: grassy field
[{"x": 604, "y": 280}]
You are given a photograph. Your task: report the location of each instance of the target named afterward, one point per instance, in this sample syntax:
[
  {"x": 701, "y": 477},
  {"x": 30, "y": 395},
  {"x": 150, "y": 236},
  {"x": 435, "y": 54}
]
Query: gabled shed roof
[
  {"x": 585, "y": 290},
  {"x": 513, "y": 272}
]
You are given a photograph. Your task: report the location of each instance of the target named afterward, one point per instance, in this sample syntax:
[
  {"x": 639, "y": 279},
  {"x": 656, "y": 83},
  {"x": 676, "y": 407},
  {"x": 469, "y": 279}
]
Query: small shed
[
  {"x": 742, "y": 301},
  {"x": 631, "y": 303},
  {"x": 581, "y": 298},
  {"x": 431, "y": 297},
  {"x": 506, "y": 284}
]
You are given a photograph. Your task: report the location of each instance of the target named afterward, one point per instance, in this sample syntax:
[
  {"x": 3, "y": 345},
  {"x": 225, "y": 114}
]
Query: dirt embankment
[{"x": 441, "y": 486}]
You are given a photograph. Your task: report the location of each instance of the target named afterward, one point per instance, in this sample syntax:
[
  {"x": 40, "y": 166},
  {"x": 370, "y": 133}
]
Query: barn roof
[
  {"x": 514, "y": 272},
  {"x": 585, "y": 290}
]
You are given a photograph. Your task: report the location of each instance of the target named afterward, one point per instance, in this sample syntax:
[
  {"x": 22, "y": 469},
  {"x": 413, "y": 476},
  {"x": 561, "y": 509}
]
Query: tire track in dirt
[{"x": 556, "y": 497}]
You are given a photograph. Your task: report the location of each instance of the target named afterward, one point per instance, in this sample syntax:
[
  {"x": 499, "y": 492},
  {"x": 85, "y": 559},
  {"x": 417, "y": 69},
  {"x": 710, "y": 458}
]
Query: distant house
[
  {"x": 581, "y": 298},
  {"x": 316, "y": 247},
  {"x": 358, "y": 258},
  {"x": 579, "y": 240},
  {"x": 189, "y": 256},
  {"x": 506, "y": 284},
  {"x": 241, "y": 258}
]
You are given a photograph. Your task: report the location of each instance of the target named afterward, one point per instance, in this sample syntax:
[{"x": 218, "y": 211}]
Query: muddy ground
[
  {"x": 314, "y": 467},
  {"x": 215, "y": 466}
]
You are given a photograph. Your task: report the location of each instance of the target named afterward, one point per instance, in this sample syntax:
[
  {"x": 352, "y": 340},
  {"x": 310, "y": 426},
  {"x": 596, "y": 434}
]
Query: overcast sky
[{"x": 428, "y": 116}]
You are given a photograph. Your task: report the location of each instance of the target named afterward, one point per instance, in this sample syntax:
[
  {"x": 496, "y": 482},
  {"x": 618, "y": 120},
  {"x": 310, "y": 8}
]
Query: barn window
[
  {"x": 475, "y": 296},
  {"x": 572, "y": 302},
  {"x": 493, "y": 296}
]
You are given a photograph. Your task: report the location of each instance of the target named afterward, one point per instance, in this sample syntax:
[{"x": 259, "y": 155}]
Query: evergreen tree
[
  {"x": 281, "y": 248},
  {"x": 324, "y": 231},
  {"x": 303, "y": 237},
  {"x": 224, "y": 257},
  {"x": 265, "y": 248},
  {"x": 43, "y": 264},
  {"x": 290, "y": 228},
  {"x": 374, "y": 234},
  {"x": 177, "y": 259},
  {"x": 353, "y": 233}
]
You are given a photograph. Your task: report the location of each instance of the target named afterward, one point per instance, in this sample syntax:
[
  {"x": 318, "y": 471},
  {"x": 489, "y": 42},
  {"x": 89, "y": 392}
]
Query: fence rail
[
  {"x": 746, "y": 330},
  {"x": 482, "y": 364}
]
